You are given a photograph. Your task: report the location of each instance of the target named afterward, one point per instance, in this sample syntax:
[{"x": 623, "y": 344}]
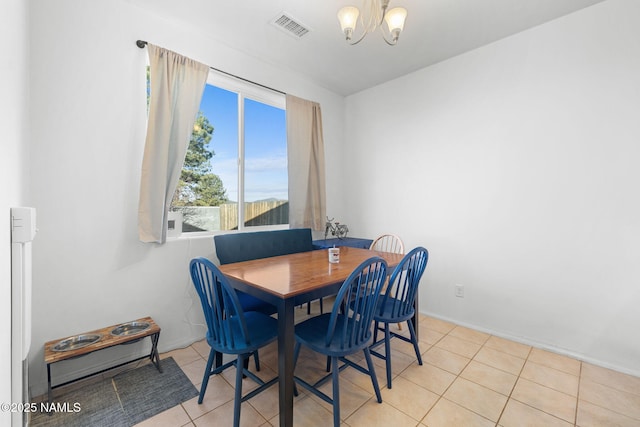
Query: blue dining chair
[
  {"x": 396, "y": 305},
  {"x": 230, "y": 329},
  {"x": 344, "y": 331}
]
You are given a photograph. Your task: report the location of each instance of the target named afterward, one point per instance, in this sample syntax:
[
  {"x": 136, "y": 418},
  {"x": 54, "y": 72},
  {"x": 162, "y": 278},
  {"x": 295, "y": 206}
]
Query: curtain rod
[{"x": 141, "y": 44}]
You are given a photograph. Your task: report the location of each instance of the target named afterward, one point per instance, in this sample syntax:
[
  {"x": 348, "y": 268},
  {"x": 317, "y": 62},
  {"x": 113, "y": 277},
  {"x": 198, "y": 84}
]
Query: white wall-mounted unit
[{"x": 23, "y": 231}]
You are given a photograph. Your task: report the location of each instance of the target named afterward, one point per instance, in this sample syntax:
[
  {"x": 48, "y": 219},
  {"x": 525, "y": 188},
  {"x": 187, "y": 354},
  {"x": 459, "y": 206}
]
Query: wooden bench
[{"x": 106, "y": 340}]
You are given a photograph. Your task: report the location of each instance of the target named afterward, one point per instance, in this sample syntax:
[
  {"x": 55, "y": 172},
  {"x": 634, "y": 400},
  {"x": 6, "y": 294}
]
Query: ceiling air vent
[{"x": 290, "y": 25}]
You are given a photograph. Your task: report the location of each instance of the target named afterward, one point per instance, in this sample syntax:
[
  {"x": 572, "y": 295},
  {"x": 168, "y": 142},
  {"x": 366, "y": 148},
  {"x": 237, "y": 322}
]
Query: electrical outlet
[{"x": 459, "y": 291}]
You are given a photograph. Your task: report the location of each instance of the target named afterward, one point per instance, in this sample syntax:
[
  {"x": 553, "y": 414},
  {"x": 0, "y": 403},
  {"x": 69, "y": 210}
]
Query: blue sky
[{"x": 265, "y": 145}]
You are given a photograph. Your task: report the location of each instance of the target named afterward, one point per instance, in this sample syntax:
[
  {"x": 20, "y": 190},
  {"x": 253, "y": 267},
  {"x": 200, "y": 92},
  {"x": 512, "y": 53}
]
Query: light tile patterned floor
[{"x": 468, "y": 378}]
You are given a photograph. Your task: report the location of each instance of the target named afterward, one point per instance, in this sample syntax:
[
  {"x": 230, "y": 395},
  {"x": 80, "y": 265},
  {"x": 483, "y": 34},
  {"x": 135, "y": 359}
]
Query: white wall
[
  {"x": 14, "y": 49},
  {"x": 88, "y": 123},
  {"x": 516, "y": 166}
]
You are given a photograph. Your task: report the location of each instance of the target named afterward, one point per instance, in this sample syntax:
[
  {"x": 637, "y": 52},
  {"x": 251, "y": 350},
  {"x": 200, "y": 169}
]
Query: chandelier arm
[
  {"x": 359, "y": 40},
  {"x": 393, "y": 42},
  {"x": 390, "y": 43},
  {"x": 384, "y": 13}
]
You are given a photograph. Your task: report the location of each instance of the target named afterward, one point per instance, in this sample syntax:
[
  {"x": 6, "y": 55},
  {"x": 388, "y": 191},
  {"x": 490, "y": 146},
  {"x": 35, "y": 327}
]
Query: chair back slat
[
  {"x": 388, "y": 243},
  {"x": 357, "y": 297},
  {"x": 222, "y": 310},
  {"x": 402, "y": 290}
]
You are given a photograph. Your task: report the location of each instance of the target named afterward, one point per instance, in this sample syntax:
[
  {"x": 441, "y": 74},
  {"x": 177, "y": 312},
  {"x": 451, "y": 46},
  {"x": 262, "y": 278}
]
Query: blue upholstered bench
[{"x": 239, "y": 247}]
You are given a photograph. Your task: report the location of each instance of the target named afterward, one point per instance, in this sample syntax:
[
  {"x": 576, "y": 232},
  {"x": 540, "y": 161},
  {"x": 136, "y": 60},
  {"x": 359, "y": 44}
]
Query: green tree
[{"x": 198, "y": 186}]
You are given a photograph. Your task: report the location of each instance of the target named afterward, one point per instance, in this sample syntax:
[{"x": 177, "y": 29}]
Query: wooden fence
[
  {"x": 225, "y": 217},
  {"x": 255, "y": 213}
]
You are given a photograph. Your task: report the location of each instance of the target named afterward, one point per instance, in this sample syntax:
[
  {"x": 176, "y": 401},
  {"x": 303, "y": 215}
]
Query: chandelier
[{"x": 374, "y": 13}]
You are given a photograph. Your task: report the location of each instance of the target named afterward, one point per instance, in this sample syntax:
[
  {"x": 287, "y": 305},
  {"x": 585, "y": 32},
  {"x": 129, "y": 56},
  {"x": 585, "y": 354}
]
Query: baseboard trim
[{"x": 538, "y": 344}]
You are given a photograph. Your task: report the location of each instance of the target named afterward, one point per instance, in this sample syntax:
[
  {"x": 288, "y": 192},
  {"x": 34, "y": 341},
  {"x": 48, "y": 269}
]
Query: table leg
[{"x": 286, "y": 340}]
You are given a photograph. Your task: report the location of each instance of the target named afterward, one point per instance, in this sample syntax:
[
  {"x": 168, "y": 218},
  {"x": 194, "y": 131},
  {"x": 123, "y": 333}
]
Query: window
[{"x": 235, "y": 171}]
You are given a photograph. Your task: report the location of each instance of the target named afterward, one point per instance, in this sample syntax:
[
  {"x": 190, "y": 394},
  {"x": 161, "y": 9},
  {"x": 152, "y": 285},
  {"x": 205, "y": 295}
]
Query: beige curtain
[
  {"x": 307, "y": 198},
  {"x": 177, "y": 84}
]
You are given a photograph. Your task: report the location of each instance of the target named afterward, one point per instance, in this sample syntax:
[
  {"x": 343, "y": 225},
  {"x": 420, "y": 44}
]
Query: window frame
[{"x": 243, "y": 89}]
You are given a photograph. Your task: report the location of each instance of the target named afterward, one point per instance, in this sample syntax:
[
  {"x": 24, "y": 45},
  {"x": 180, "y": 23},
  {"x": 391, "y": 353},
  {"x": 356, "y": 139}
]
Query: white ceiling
[{"x": 435, "y": 30}]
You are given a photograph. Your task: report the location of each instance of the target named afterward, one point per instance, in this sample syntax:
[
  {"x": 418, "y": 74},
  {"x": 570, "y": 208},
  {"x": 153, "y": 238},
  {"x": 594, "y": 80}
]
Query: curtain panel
[
  {"x": 177, "y": 85},
  {"x": 305, "y": 149}
]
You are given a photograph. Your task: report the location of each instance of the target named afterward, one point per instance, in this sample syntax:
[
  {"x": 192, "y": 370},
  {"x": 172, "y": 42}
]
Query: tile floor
[{"x": 468, "y": 378}]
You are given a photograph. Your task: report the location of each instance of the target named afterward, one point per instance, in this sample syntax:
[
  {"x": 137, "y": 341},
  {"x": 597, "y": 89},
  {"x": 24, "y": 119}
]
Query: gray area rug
[{"x": 122, "y": 401}]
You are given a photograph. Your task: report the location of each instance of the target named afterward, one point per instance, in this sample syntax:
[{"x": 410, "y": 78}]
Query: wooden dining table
[{"x": 290, "y": 280}]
